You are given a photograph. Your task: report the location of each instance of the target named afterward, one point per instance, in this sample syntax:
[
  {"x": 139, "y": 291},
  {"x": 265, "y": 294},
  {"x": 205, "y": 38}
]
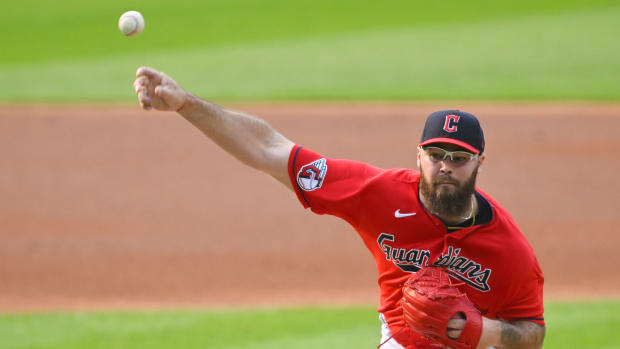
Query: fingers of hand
[
  {"x": 161, "y": 89},
  {"x": 141, "y": 86},
  {"x": 453, "y": 334},
  {"x": 153, "y": 75},
  {"x": 158, "y": 91},
  {"x": 166, "y": 85},
  {"x": 455, "y": 327}
]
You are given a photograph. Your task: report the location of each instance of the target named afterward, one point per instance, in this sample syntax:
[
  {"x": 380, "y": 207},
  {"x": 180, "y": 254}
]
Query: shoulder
[
  {"x": 391, "y": 181},
  {"x": 398, "y": 175},
  {"x": 389, "y": 186},
  {"x": 310, "y": 170},
  {"x": 505, "y": 230},
  {"x": 501, "y": 216}
]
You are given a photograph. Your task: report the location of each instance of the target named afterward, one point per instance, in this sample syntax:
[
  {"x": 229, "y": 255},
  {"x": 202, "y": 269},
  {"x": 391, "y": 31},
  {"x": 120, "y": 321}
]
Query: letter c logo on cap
[{"x": 450, "y": 124}]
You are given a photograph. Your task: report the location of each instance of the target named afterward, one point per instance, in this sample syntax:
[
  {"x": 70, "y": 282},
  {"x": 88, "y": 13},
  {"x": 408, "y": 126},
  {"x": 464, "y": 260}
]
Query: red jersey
[{"x": 495, "y": 263}]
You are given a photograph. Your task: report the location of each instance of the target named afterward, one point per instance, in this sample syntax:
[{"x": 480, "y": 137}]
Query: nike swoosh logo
[{"x": 397, "y": 214}]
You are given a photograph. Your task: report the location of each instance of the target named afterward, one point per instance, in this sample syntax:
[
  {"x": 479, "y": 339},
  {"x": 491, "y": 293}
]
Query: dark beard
[{"x": 446, "y": 203}]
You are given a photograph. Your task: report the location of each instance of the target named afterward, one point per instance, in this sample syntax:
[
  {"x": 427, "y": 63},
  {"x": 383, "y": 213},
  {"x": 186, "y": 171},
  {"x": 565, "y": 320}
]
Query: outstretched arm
[{"x": 250, "y": 139}]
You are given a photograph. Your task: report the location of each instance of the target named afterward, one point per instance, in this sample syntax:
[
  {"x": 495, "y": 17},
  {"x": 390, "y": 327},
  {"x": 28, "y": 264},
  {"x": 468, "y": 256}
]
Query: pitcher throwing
[{"x": 433, "y": 224}]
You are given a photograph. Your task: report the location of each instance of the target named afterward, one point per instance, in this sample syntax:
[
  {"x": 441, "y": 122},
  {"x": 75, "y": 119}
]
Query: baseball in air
[{"x": 131, "y": 23}]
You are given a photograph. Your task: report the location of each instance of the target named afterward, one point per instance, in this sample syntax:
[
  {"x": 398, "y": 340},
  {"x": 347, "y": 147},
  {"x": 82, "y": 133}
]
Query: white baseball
[{"x": 131, "y": 23}]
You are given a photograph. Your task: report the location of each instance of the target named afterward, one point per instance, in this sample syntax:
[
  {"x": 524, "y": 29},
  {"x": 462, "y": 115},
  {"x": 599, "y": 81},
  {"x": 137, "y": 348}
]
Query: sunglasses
[{"x": 458, "y": 157}]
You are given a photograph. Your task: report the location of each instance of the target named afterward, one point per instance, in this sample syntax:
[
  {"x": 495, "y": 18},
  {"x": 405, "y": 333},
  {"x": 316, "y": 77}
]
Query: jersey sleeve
[
  {"x": 525, "y": 298},
  {"x": 329, "y": 186}
]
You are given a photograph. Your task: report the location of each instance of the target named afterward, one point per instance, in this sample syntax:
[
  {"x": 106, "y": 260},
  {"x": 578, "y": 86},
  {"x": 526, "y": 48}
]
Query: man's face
[{"x": 447, "y": 185}]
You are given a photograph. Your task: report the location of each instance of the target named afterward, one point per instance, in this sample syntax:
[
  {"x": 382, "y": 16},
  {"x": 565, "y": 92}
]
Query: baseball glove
[{"x": 430, "y": 300}]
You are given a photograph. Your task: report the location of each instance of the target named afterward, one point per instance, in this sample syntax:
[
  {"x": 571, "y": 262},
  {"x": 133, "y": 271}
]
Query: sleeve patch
[{"x": 311, "y": 176}]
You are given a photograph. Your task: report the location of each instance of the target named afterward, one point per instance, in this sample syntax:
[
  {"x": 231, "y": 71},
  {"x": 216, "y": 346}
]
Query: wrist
[
  {"x": 189, "y": 100},
  {"x": 491, "y": 333},
  {"x": 198, "y": 111}
]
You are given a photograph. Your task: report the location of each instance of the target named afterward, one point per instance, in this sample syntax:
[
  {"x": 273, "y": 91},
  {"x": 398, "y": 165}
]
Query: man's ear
[
  {"x": 480, "y": 162},
  {"x": 418, "y": 158}
]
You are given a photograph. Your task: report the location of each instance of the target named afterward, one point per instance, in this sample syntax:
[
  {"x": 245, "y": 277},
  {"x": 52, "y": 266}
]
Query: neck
[{"x": 472, "y": 210}]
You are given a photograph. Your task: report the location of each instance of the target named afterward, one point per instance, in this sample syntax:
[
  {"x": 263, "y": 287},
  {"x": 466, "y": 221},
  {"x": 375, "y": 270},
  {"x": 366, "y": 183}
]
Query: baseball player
[{"x": 410, "y": 221}]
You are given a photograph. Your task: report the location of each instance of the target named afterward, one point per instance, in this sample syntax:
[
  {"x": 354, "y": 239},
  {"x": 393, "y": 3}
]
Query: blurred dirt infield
[{"x": 114, "y": 207}]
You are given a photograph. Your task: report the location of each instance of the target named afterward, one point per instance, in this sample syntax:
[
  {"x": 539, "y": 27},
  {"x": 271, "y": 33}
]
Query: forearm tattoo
[{"x": 522, "y": 334}]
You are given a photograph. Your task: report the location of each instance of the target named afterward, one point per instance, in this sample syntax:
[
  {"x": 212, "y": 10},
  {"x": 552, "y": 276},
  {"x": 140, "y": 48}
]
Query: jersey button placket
[{"x": 444, "y": 248}]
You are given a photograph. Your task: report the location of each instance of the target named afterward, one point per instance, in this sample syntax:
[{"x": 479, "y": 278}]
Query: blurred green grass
[
  {"x": 591, "y": 324},
  {"x": 279, "y": 50},
  {"x": 280, "y": 328},
  {"x": 41, "y": 30}
]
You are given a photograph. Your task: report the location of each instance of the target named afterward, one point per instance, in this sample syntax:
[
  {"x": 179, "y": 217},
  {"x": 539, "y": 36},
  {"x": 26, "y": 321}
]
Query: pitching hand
[{"x": 157, "y": 90}]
